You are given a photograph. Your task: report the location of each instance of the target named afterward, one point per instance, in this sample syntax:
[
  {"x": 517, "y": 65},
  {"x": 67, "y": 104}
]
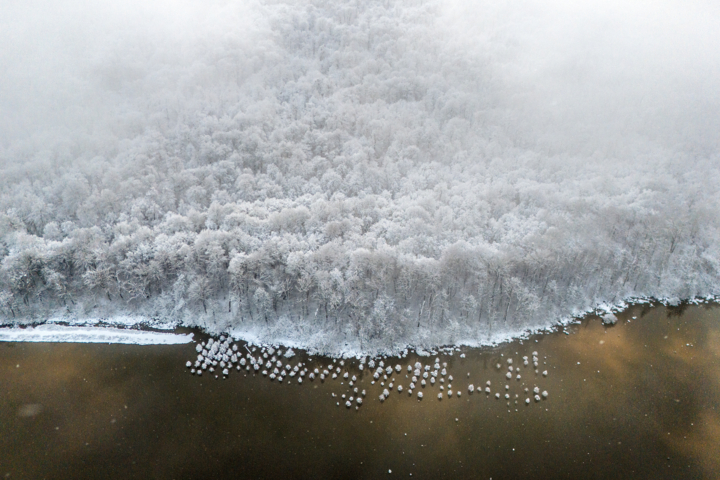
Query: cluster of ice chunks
[
  {"x": 214, "y": 355},
  {"x": 223, "y": 355}
]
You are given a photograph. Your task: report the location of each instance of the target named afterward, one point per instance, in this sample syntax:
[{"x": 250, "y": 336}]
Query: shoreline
[{"x": 141, "y": 330}]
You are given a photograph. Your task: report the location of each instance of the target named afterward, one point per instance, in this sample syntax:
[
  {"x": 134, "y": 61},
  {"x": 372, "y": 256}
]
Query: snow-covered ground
[{"x": 62, "y": 333}]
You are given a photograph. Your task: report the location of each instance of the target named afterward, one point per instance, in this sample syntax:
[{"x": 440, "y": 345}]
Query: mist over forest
[{"x": 356, "y": 175}]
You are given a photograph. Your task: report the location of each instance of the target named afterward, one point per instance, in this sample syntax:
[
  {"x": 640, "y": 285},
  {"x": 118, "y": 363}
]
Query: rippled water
[{"x": 636, "y": 400}]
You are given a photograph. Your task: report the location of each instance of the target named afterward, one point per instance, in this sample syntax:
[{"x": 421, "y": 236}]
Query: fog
[{"x": 359, "y": 175}]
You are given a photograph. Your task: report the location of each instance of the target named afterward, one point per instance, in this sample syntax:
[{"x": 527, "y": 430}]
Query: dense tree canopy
[{"x": 362, "y": 172}]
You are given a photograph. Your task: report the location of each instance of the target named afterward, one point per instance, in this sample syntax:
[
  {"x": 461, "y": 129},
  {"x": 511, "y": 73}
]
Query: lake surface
[{"x": 640, "y": 399}]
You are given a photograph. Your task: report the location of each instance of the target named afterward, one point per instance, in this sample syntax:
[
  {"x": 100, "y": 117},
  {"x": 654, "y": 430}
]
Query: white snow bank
[{"x": 61, "y": 333}]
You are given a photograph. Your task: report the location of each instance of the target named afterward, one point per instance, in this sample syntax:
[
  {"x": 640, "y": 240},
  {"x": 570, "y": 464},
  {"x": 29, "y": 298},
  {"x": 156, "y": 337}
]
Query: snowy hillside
[{"x": 366, "y": 174}]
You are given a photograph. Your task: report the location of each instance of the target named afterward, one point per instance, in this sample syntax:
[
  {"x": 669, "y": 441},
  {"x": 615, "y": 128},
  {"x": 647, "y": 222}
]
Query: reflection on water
[{"x": 636, "y": 400}]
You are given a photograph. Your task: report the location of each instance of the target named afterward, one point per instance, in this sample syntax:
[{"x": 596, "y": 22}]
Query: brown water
[{"x": 636, "y": 400}]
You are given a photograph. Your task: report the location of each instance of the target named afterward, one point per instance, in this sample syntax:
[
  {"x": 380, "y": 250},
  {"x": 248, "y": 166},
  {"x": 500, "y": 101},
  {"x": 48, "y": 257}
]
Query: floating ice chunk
[
  {"x": 264, "y": 372},
  {"x": 609, "y": 319},
  {"x": 242, "y": 362},
  {"x": 348, "y": 404},
  {"x": 371, "y": 364},
  {"x": 272, "y": 376},
  {"x": 354, "y": 378},
  {"x": 487, "y": 389},
  {"x": 299, "y": 379},
  {"x": 418, "y": 365},
  {"x": 507, "y": 396},
  {"x": 390, "y": 386},
  {"x": 432, "y": 380},
  {"x": 449, "y": 393},
  {"x": 420, "y": 395},
  {"x": 426, "y": 368},
  {"x": 188, "y": 364},
  {"x": 508, "y": 375},
  {"x": 510, "y": 368},
  {"x": 334, "y": 376},
  {"x": 358, "y": 400},
  {"x": 346, "y": 375},
  {"x": 443, "y": 372},
  {"x": 381, "y": 397},
  {"x": 423, "y": 382},
  {"x": 537, "y": 398},
  {"x": 225, "y": 372},
  {"x": 425, "y": 374},
  {"x": 361, "y": 367},
  {"x": 198, "y": 348},
  {"x": 471, "y": 388},
  {"x": 409, "y": 368},
  {"x": 462, "y": 355},
  {"x": 459, "y": 393},
  {"x": 527, "y": 401},
  {"x": 388, "y": 370},
  {"x": 399, "y": 388},
  {"x": 536, "y": 390},
  {"x": 386, "y": 393},
  {"x": 518, "y": 377},
  {"x": 544, "y": 373},
  {"x": 289, "y": 353},
  {"x": 544, "y": 394},
  {"x": 311, "y": 376},
  {"x": 450, "y": 377},
  {"x": 509, "y": 361},
  {"x": 439, "y": 396}
]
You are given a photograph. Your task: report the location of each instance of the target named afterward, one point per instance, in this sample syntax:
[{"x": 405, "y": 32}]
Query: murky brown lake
[{"x": 640, "y": 399}]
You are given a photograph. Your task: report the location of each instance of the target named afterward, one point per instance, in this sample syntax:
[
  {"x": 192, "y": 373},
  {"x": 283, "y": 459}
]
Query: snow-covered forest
[{"x": 346, "y": 174}]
